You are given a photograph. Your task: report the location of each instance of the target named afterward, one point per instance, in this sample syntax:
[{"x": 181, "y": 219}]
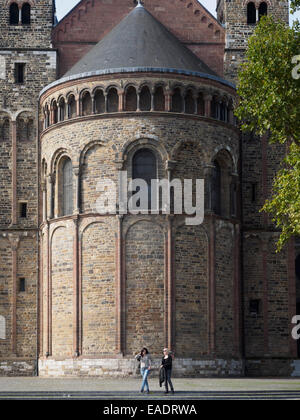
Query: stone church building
[{"x": 148, "y": 88}]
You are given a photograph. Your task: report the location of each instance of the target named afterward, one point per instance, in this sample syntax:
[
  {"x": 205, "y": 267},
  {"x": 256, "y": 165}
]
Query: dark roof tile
[{"x": 140, "y": 41}]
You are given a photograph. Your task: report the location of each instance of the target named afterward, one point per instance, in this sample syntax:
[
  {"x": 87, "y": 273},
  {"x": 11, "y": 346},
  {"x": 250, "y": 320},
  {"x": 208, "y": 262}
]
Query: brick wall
[
  {"x": 98, "y": 288},
  {"x": 30, "y": 45},
  {"x": 145, "y": 288},
  {"x": 191, "y": 274}
]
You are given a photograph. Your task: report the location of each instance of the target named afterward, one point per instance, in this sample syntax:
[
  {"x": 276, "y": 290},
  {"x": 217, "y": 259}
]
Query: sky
[{"x": 64, "y": 6}]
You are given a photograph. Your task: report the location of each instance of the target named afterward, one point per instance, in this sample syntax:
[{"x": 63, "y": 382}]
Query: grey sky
[{"x": 64, "y": 6}]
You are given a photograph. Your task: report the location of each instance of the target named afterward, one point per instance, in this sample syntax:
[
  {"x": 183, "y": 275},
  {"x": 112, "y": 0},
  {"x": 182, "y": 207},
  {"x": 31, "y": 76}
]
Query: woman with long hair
[{"x": 145, "y": 360}]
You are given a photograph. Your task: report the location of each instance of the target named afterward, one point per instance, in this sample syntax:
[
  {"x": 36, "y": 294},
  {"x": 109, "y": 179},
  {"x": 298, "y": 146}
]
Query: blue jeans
[{"x": 145, "y": 373}]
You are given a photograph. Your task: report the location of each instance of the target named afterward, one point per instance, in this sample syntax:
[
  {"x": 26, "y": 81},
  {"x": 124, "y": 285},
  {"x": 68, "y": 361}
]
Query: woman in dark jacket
[{"x": 167, "y": 365}]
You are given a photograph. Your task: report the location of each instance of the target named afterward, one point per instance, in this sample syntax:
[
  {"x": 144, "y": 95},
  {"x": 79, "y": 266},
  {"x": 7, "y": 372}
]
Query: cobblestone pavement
[{"x": 129, "y": 387}]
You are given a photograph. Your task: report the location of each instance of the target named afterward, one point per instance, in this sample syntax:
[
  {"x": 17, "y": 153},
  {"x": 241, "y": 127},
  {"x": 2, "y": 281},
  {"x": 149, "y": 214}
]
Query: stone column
[
  {"x": 14, "y": 216},
  {"x": 106, "y": 102},
  {"x": 93, "y": 104},
  {"x": 235, "y": 181},
  {"x": 14, "y": 242},
  {"x": 78, "y": 106},
  {"x": 183, "y": 103},
  {"x": 51, "y": 181},
  {"x": 121, "y": 100},
  {"x": 152, "y": 100},
  {"x": 120, "y": 310},
  {"x": 41, "y": 295},
  {"x": 208, "y": 174},
  {"x": 44, "y": 191},
  {"x": 195, "y": 97},
  {"x": 171, "y": 286},
  {"x": 170, "y": 166},
  {"x": 49, "y": 296},
  {"x": 51, "y": 115},
  {"x": 138, "y": 100},
  {"x": 168, "y": 100},
  {"x": 212, "y": 288},
  {"x": 207, "y": 105},
  {"x": 76, "y": 289},
  {"x": 77, "y": 172}
]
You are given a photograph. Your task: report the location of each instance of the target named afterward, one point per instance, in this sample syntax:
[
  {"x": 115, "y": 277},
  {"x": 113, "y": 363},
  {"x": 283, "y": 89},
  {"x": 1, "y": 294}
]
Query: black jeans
[{"x": 168, "y": 373}]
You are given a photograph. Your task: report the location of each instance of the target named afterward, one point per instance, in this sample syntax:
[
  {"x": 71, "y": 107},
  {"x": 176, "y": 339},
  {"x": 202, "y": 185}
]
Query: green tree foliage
[
  {"x": 270, "y": 103},
  {"x": 295, "y": 5}
]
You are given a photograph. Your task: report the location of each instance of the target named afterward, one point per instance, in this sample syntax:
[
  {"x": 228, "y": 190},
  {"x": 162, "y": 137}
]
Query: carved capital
[
  {"x": 43, "y": 186},
  {"x": 119, "y": 164},
  {"x": 51, "y": 178},
  {"x": 77, "y": 170}
]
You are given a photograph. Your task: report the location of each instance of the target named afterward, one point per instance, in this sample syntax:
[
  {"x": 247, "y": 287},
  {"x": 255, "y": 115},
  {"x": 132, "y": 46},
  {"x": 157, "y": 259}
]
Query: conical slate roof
[{"x": 139, "y": 41}]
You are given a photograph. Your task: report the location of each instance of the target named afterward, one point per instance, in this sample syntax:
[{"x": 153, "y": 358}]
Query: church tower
[
  {"x": 268, "y": 278},
  {"x": 27, "y": 64},
  {"x": 239, "y": 18}
]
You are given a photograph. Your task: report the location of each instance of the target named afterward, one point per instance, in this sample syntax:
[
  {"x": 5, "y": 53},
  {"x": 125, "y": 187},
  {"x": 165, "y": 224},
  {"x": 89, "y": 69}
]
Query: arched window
[
  {"x": 145, "y": 99},
  {"x": 263, "y": 10},
  {"x": 26, "y": 9},
  {"x": 200, "y": 105},
  {"x": 86, "y": 104},
  {"x": 55, "y": 113},
  {"x": 251, "y": 13},
  {"x": 177, "y": 101},
  {"x": 72, "y": 113},
  {"x": 223, "y": 112},
  {"x": 131, "y": 99},
  {"x": 62, "y": 108},
  {"x": 216, "y": 188},
  {"x": 5, "y": 130},
  {"x": 215, "y": 108},
  {"x": 190, "y": 105},
  {"x": 99, "y": 102},
  {"x": 14, "y": 14},
  {"x": 67, "y": 188},
  {"x": 159, "y": 99},
  {"x": 112, "y": 100},
  {"x": 144, "y": 166}
]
